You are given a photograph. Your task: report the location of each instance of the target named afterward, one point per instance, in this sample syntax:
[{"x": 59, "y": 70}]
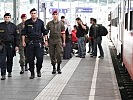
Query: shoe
[
  {"x": 9, "y": 75},
  {"x": 88, "y": 51},
  {"x": 26, "y": 68},
  {"x": 32, "y": 75},
  {"x": 101, "y": 57},
  {"x": 91, "y": 53},
  {"x": 3, "y": 77},
  {"x": 59, "y": 71},
  {"x": 82, "y": 57},
  {"x": 93, "y": 56},
  {"x": 21, "y": 72},
  {"x": 77, "y": 56},
  {"x": 54, "y": 71},
  {"x": 39, "y": 74}
]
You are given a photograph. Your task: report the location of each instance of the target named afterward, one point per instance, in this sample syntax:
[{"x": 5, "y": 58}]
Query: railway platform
[{"x": 81, "y": 79}]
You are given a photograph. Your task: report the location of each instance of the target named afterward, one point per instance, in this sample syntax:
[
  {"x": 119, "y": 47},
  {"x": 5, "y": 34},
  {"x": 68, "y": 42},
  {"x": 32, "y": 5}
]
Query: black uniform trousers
[
  {"x": 6, "y": 58},
  {"x": 35, "y": 49}
]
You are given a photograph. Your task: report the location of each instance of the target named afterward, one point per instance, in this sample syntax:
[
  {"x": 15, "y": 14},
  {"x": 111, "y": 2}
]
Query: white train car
[{"x": 122, "y": 32}]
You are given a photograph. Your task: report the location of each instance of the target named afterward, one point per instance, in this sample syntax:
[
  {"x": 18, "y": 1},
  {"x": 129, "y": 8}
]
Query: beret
[
  {"x": 23, "y": 15},
  {"x": 55, "y": 12}
]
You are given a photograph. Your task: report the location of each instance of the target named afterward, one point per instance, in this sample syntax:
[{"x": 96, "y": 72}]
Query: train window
[
  {"x": 131, "y": 20},
  {"x": 126, "y": 20}
]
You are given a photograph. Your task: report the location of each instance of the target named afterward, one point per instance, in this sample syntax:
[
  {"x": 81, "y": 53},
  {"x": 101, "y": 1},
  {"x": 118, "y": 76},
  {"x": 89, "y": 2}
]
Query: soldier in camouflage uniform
[
  {"x": 57, "y": 34},
  {"x": 22, "y": 50}
]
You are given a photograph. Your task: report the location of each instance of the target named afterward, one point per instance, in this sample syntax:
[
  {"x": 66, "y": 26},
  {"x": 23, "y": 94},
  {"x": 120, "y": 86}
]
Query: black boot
[
  {"x": 58, "y": 69},
  {"x": 32, "y": 75},
  {"x": 54, "y": 69},
  {"x": 3, "y": 77},
  {"x": 22, "y": 70}
]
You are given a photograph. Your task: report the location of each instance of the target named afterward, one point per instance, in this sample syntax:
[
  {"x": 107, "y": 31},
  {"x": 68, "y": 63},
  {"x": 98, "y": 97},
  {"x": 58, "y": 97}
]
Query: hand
[
  {"x": 16, "y": 48},
  {"x": 46, "y": 43},
  {"x": 23, "y": 44},
  {"x": 64, "y": 44}
]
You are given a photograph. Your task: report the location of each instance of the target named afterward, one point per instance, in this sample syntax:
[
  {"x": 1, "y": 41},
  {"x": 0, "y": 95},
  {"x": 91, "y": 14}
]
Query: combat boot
[
  {"x": 58, "y": 69},
  {"x": 3, "y": 77},
  {"x": 22, "y": 70},
  {"x": 54, "y": 69},
  {"x": 32, "y": 75}
]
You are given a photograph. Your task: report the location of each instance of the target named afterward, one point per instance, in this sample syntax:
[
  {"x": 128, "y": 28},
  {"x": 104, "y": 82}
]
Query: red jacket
[{"x": 74, "y": 38}]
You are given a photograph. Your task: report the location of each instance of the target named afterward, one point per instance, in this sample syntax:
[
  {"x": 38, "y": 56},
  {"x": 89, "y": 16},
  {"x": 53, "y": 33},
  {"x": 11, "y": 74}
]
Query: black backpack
[
  {"x": 87, "y": 29},
  {"x": 102, "y": 31}
]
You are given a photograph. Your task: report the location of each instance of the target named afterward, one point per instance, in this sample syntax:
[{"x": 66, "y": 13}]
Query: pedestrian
[
  {"x": 81, "y": 32},
  {"x": 56, "y": 41},
  {"x": 68, "y": 48},
  {"x": 97, "y": 40},
  {"x": 9, "y": 43},
  {"x": 22, "y": 50},
  {"x": 91, "y": 40},
  {"x": 35, "y": 33}
]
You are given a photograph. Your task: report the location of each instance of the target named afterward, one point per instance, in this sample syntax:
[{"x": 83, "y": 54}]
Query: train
[{"x": 121, "y": 32}]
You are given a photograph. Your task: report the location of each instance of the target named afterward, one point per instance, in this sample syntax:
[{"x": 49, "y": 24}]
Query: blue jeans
[
  {"x": 81, "y": 46},
  {"x": 98, "y": 42}
]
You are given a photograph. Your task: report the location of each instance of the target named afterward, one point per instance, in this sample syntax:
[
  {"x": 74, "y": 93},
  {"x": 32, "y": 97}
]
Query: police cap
[
  {"x": 33, "y": 10},
  {"x": 7, "y": 14}
]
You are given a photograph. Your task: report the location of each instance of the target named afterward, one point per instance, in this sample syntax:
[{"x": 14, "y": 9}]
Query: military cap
[
  {"x": 7, "y": 14},
  {"x": 55, "y": 12},
  {"x": 33, "y": 10},
  {"x": 23, "y": 15}
]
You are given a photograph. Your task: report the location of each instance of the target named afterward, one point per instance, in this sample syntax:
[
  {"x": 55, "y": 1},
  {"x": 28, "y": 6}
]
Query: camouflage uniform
[
  {"x": 22, "y": 50},
  {"x": 55, "y": 42}
]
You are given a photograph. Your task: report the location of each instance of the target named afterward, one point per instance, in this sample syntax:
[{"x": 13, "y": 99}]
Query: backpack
[
  {"x": 87, "y": 29},
  {"x": 102, "y": 31}
]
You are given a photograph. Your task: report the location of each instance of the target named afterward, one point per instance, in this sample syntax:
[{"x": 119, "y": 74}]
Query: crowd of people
[{"x": 30, "y": 38}]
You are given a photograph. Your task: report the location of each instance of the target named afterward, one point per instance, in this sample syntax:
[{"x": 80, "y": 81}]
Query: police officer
[
  {"x": 57, "y": 31},
  {"x": 9, "y": 40},
  {"x": 35, "y": 32},
  {"x": 22, "y": 50}
]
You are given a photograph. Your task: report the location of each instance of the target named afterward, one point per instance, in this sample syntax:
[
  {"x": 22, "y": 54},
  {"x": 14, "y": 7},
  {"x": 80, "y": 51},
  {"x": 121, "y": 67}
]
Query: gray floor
[{"x": 20, "y": 87}]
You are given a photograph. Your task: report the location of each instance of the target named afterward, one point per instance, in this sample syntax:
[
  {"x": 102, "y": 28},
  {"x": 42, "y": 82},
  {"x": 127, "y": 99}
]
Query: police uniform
[
  {"x": 34, "y": 46},
  {"x": 22, "y": 50},
  {"x": 9, "y": 39},
  {"x": 55, "y": 43}
]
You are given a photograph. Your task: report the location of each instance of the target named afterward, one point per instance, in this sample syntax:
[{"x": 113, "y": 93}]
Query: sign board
[
  {"x": 60, "y": 10},
  {"x": 83, "y": 10}
]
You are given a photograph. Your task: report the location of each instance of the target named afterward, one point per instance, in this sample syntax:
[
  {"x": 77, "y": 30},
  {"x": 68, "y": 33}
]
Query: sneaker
[
  {"x": 21, "y": 72},
  {"x": 3, "y": 77},
  {"x": 9, "y": 75},
  {"x": 101, "y": 57},
  {"x": 39, "y": 74},
  {"x": 77, "y": 56}
]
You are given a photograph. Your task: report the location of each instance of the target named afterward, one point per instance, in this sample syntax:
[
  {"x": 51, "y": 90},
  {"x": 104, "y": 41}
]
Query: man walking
[
  {"x": 36, "y": 33},
  {"x": 56, "y": 38},
  {"x": 9, "y": 42},
  {"x": 22, "y": 50}
]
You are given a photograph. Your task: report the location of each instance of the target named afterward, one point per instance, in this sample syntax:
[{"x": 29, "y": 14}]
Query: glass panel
[
  {"x": 24, "y": 7},
  {"x": 6, "y": 6}
]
